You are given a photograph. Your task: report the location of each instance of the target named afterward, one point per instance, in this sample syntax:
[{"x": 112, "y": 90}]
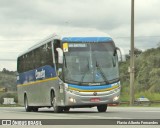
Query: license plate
[{"x": 95, "y": 99}]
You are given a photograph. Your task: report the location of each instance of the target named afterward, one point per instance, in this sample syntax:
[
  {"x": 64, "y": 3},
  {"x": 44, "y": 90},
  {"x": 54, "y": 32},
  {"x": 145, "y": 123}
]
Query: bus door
[{"x": 58, "y": 66}]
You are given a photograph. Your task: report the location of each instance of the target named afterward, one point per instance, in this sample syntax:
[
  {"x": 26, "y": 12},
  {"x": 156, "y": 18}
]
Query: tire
[
  {"x": 57, "y": 109},
  {"x": 27, "y": 107},
  {"x": 35, "y": 109},
  {"x": 102, "y": 108},
  {"x": 66, "y": 109}
]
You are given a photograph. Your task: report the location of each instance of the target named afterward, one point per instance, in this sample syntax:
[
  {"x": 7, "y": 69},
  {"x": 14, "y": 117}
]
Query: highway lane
[{"x": 82, "y": 113}]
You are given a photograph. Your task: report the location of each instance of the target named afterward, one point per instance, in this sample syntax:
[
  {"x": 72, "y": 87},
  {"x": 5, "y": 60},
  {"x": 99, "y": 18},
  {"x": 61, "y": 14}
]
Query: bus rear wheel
[
  {"x": 57, "y": 109},
  {"x": 102, "y": 108},
  {"x": 27, "y": 107},
  {"x": 66, "y": 109},
  {"x": 35, "y": 109}
]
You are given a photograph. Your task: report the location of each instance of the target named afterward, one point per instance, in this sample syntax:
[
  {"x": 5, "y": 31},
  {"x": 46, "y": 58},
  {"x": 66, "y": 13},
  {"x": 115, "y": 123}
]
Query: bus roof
[
  {"x": 75, "y": 36},
  {"x": 86, "y": 39},
  {"x": 90, "y": 35},
  {"x": 42, "y": 42}
]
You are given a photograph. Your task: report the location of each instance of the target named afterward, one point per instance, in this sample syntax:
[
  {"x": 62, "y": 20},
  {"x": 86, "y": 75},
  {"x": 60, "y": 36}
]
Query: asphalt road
[{"x": 83, "y": 113}]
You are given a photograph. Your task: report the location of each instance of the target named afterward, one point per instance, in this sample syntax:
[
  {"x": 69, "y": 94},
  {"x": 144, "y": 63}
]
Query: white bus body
[{"x": 69, "y": 71}]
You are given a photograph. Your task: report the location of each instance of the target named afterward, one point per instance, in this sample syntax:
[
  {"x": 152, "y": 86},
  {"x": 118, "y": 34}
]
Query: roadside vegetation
[{"x": 147, "y": 75}]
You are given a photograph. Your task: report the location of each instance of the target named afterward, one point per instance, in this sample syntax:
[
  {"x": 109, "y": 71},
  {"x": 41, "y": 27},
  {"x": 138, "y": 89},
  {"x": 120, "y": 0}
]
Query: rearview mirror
[
  {"x": 121, "y": 57},
  {"x": 60, "y": 55}
]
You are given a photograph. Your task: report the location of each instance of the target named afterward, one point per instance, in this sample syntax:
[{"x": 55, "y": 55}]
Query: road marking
[{"x": 147, "y": 111}]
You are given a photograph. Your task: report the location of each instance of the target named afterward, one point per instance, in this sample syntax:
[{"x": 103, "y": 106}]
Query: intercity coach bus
[{"x": 69, "y": 71}]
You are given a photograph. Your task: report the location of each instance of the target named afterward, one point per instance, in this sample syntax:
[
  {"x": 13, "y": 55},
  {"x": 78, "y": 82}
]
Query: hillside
[
  {"x": 8, "y": 80},
  {"x": 147, "y": 75}
]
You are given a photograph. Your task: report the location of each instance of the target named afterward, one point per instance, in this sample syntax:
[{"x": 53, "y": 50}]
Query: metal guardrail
[
  {"x": 141, "y": 102},
  {"x": 156, "y": 101},
  {"x": 136, "y": 103}
]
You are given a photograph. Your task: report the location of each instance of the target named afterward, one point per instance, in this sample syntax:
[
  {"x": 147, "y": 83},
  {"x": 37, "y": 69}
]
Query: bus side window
[
  {"x": 49, "y": 54},
  {"x": 37, "y": 58},
  {"x": 20, "y": 64},
  {"x": 46, "y": 55},
  {"x": 29, "y": 62},
  {"x": 56, "y": 45}
]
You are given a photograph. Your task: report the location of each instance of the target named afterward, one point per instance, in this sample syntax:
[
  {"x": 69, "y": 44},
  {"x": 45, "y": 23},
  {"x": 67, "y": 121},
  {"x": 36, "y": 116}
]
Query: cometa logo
[
  {"x": 40, "y": 74},
  {"x": 94, "y": 84}
]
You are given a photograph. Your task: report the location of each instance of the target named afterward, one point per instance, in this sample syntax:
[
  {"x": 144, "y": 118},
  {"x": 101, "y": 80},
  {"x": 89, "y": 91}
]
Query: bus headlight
[
  {"x": 115, "y": 98},
  {"x": 72, "y": 100},
  {"x": 65, "y": 86}
]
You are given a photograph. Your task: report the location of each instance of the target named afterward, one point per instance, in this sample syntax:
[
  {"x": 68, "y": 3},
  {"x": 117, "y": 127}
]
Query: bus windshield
[{"x": 91, "y": 63}]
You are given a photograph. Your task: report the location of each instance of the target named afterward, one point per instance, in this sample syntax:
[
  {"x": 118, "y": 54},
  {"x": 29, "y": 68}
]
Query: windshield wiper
[
  {"x": 114, "y": 80},
  {"x": 102, "y": 73},
  {"x": 82, "y": 78},
  {"x": 72, "y": 81}
]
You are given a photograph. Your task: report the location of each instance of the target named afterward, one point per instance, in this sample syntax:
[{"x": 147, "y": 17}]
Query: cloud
[{"x": 26, "y": 22}]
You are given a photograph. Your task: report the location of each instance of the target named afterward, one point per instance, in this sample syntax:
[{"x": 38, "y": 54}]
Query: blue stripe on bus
[
  {"x": 86, "y": 39},
  {"x": 93, "y": 87},
  {"x": 41, "y": 73}
]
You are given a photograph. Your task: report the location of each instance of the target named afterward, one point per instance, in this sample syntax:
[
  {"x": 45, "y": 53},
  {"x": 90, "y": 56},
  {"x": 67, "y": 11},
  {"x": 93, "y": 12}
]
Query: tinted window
[{"x": 38, "y": 57}]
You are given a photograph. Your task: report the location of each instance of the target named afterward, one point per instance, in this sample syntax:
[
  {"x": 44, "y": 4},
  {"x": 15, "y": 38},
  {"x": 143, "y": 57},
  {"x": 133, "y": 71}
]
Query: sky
[{"x": 24, "y": 22}]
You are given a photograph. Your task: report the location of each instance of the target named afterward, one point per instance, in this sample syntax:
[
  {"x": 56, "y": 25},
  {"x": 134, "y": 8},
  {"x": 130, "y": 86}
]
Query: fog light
[
  {"x": 72, "y": 100},
  {"x": 115, "y": 98}
]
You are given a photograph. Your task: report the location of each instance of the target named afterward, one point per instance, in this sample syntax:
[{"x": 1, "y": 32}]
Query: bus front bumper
[{"x": 74, "y": 98}]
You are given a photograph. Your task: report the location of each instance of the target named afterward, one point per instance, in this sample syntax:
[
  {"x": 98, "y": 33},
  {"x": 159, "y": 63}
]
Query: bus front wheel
[
  {"x": 57, "y": 109},
  {"x": 35, "y": 109},
  {"x": 102, "y": 108},
  {"x": 66, "y": 109},
  {"x": 27, "y": 107}
]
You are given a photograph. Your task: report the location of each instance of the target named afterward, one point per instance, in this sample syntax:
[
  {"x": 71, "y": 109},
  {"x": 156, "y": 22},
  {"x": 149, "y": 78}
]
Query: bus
[{"x": 69, "y": 71}]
